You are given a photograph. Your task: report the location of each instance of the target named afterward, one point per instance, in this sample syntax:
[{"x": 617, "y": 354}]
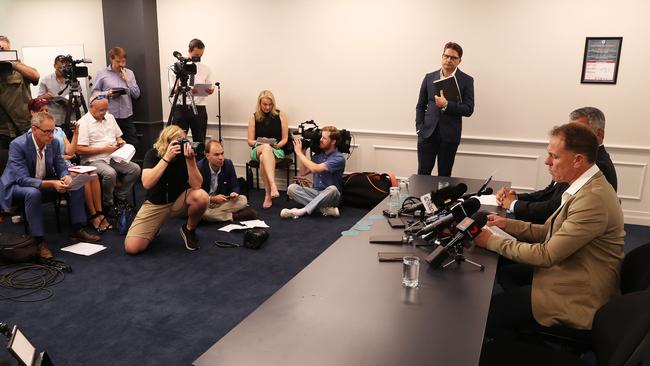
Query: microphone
[
  {"x": 458, "y": 212},
  {"x": 86, "y": 60},
  {"x": 444, "y": 196},
  {"x": 485, "y": 191},
  {"x": 180, "y": 57},
  {"x": 469, "y": 228}
]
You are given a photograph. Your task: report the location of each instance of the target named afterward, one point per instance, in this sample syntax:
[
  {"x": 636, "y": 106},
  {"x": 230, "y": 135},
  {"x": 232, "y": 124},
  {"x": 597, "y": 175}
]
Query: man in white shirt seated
[{"x": 99, "y": 137}]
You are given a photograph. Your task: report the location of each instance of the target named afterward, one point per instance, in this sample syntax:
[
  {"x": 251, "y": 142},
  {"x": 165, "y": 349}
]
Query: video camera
[
  {"x": 310, "y": 135},
  {"x": 197, "y": 146},
  {"x": 70, "y": 70},
  {"x": 185, "y": 66}
]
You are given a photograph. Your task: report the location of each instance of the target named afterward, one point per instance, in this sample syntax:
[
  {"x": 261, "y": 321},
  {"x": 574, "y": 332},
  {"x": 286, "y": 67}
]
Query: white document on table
[
  {"x": 124, "y": 153},
  {"x": 488, "y": 199},
  {"x": 495, "y": 230},
  {"x": 84, "y": 248},
  {"x": 79, "y": 181}
]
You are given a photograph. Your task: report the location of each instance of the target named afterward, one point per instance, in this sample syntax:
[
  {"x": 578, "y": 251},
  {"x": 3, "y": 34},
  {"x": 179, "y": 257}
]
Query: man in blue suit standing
[
  {"x": 437, "y": 119},
  {"x": 36, "y": 169}
]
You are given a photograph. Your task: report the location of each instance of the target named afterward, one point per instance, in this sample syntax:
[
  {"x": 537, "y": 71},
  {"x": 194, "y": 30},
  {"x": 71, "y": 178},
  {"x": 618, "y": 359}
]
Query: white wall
[
  {"x": 34, "y": 23},
  {"x": 358, "y": 65}
]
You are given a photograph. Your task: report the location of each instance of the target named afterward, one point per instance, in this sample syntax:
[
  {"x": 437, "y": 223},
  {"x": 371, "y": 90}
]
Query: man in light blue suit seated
[{"x": 36, "y": 170}]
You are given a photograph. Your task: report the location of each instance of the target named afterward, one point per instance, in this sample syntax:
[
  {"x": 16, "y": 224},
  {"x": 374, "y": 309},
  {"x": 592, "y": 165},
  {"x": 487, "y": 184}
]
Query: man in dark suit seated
[
  {"x": 37, "y": 169},
  {"x": 576, "y": 254},
  {"x": 537, "y": 206},
  {"x": 220, "y": 181},
  {"x": 438, "y": 120}
]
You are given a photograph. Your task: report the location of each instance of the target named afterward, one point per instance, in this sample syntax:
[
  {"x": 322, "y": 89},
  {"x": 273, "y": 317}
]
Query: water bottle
[
  {"x": 393, "y": 200},
  {"x": 403, "y": 191}
]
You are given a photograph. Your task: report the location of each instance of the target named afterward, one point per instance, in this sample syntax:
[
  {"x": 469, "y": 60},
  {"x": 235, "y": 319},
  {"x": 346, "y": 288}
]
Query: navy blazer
[
  {"x": 428, "y": 116},
  {"x": 21, "y": 167},
  {"x": 227, "y": 177}
]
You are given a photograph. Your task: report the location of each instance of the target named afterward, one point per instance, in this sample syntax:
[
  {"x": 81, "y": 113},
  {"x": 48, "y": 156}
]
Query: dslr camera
[
  {"x": 198, "y": 147},
  {"x": 310, "y": 135},
  {"x": 70, "y": 70}
]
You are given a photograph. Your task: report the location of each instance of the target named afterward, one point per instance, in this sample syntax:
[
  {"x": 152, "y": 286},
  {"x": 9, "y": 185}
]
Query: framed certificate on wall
[{"x": 600, "y": 63}]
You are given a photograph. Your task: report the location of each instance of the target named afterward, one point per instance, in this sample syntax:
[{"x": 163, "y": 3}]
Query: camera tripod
[
  {"x": 184, "y": 90},
  {"x": 75, "y": 102},
  {"x": 459, "y": 258}
]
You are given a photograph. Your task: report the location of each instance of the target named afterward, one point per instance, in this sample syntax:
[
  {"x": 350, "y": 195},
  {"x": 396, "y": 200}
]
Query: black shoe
[
  {"x": 190, "y": 238},
  {"x": 244, "y": 214}
]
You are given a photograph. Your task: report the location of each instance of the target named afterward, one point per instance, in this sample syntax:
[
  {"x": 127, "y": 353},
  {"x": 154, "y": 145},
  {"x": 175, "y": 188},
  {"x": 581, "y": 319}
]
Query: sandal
[{"x": 100, "y": 228}]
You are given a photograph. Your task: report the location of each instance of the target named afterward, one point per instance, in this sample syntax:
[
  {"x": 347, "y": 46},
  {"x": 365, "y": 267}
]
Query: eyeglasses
[
  {"x": 450, "y": 57},
  {"x": 47, "y": 132}
]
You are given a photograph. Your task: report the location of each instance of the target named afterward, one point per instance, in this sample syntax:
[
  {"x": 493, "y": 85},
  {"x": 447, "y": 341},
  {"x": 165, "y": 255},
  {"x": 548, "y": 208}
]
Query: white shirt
[
  {"x": 93, "y": 133},
  {"x": 40, "y": 160},
  {"x": 578, "y": 183},
  {"x": 202, "y": 77}
]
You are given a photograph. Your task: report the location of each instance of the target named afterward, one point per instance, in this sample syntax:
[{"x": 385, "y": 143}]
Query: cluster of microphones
[{"x": 447, "y": 219}]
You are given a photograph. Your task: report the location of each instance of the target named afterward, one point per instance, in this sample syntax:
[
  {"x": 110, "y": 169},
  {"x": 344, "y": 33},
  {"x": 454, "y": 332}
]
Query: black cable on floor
[{"x": 31, "y": 281}]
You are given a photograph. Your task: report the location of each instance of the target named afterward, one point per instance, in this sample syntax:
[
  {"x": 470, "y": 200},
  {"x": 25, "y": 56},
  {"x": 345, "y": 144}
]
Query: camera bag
[
  {"x": 367, "y": 189},
  {"x": 253, "y": 239},
  {"x": 17, "y": 248}
]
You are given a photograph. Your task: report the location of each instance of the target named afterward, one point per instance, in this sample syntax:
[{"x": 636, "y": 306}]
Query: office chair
[
  {"x": 286, "y": 163},
  {"x": 620, "y": 336}
]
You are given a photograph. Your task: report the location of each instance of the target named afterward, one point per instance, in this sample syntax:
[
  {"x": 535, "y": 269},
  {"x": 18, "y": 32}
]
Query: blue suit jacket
[
  {"x": 428, "y": 116},
  {"x": 227, "y": 177},
  {"x": 21, "y": 167}
]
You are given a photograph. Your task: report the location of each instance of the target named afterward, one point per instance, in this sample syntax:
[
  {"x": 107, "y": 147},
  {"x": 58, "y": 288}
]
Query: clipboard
[{"x": 450, "y": 87}]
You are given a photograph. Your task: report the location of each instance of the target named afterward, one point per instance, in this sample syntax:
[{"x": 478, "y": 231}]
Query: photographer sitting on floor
[
  {"x": 173, "y": 184},
  {"x": 327, "y": 166}
]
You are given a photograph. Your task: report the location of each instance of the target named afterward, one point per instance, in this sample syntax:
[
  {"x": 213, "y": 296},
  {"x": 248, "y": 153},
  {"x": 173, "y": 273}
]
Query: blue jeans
[{"x": 313, "y": 198}]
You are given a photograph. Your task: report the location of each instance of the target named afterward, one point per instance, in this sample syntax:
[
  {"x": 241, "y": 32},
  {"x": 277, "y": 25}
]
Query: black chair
[
  {"x": 635, "y": 276},
  {"x": 620, "y": 336},
  {"x": 286, "y": 163}
]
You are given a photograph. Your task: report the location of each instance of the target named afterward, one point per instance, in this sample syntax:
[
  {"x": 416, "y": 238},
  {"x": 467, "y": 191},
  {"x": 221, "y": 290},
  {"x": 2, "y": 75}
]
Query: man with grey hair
[
  {"x": 537, "y": 206},
  {"x": 35, "y": 171},
  {"x": 15, "y": 78}
]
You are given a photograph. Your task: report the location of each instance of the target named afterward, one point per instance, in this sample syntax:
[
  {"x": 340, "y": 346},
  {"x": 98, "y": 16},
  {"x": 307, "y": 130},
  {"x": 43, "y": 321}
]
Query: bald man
[{"x": 99, "y": 137}]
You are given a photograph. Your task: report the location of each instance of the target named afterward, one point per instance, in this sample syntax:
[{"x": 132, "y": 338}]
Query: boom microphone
[
  {"x": 459, "y": 212},
  {"x": 485, "y": 191}
]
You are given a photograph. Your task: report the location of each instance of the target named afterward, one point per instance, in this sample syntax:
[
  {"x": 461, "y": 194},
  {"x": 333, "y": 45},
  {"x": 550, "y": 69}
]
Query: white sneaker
[
  {"x": 330, "y": 211},
  {"x": 289, "y": 213}
]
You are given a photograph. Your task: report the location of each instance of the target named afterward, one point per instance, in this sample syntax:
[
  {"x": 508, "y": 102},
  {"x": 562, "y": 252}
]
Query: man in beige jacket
[{"x": 576, "y": 253}]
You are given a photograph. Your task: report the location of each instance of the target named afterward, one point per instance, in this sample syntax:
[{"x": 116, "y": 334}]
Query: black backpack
[{"x": 17, "y": 248}]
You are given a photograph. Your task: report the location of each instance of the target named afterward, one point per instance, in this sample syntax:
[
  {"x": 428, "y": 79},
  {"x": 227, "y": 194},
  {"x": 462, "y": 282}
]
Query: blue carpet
[{"x": 167, "y": 305}]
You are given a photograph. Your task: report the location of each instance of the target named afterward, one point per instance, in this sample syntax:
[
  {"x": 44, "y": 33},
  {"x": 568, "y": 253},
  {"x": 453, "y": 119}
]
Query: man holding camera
[
  {"x": 99, "y": 137},
  {"x": 50, "y": 87},
  {"x": 184, "y": 115},
  {"x": 173, "y": 183},
  {"x": 15, "y": 78},
  {"x": 327, "y": 167}
]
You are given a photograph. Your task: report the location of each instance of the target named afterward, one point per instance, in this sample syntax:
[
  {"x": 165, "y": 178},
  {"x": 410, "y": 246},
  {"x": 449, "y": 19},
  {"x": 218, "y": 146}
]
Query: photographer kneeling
[
  {"x": 327, "y": 166},
  {"x": 173, "y": 184}
]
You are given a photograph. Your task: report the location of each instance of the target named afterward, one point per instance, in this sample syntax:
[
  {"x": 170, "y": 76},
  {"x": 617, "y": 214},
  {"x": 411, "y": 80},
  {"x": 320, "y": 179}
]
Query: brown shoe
[
  {"x": 81, "y": 235},
  {"x": 44, "y": 251},
  {"x": 244, "y": 214}
]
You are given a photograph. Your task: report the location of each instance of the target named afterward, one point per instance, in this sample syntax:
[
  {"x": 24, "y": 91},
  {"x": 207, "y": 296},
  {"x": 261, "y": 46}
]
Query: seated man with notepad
[
  {"x": 99, "y": 137},
  {"x": 36, "y": 170}
]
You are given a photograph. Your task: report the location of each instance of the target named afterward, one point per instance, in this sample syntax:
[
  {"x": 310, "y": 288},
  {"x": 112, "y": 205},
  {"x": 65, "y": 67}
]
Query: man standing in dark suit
[
  {"x": 437, "y": 119},
  {"x": 36, "y": 169},
  {"x": 537, "y": 206},
  {"x": 220, "y": 181}
]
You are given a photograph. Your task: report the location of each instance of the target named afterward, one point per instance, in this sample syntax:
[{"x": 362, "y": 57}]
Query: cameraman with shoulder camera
[
  {"x": 173, "y": 183},
  {"x": 51, "y": 85},
  {"x": 15, "y": 118},
  {"x": 327, "y": 167}
]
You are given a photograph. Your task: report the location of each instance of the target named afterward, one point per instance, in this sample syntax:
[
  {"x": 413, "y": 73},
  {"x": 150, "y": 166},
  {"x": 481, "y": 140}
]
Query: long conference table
[{"x": 347, "y": 308}]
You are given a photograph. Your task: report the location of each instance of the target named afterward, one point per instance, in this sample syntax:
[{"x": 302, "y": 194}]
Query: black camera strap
[{"x": 225, "y": 244}]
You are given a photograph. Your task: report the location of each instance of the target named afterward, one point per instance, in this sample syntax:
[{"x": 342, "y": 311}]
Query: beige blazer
[{"x": 577, "y": 255}]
